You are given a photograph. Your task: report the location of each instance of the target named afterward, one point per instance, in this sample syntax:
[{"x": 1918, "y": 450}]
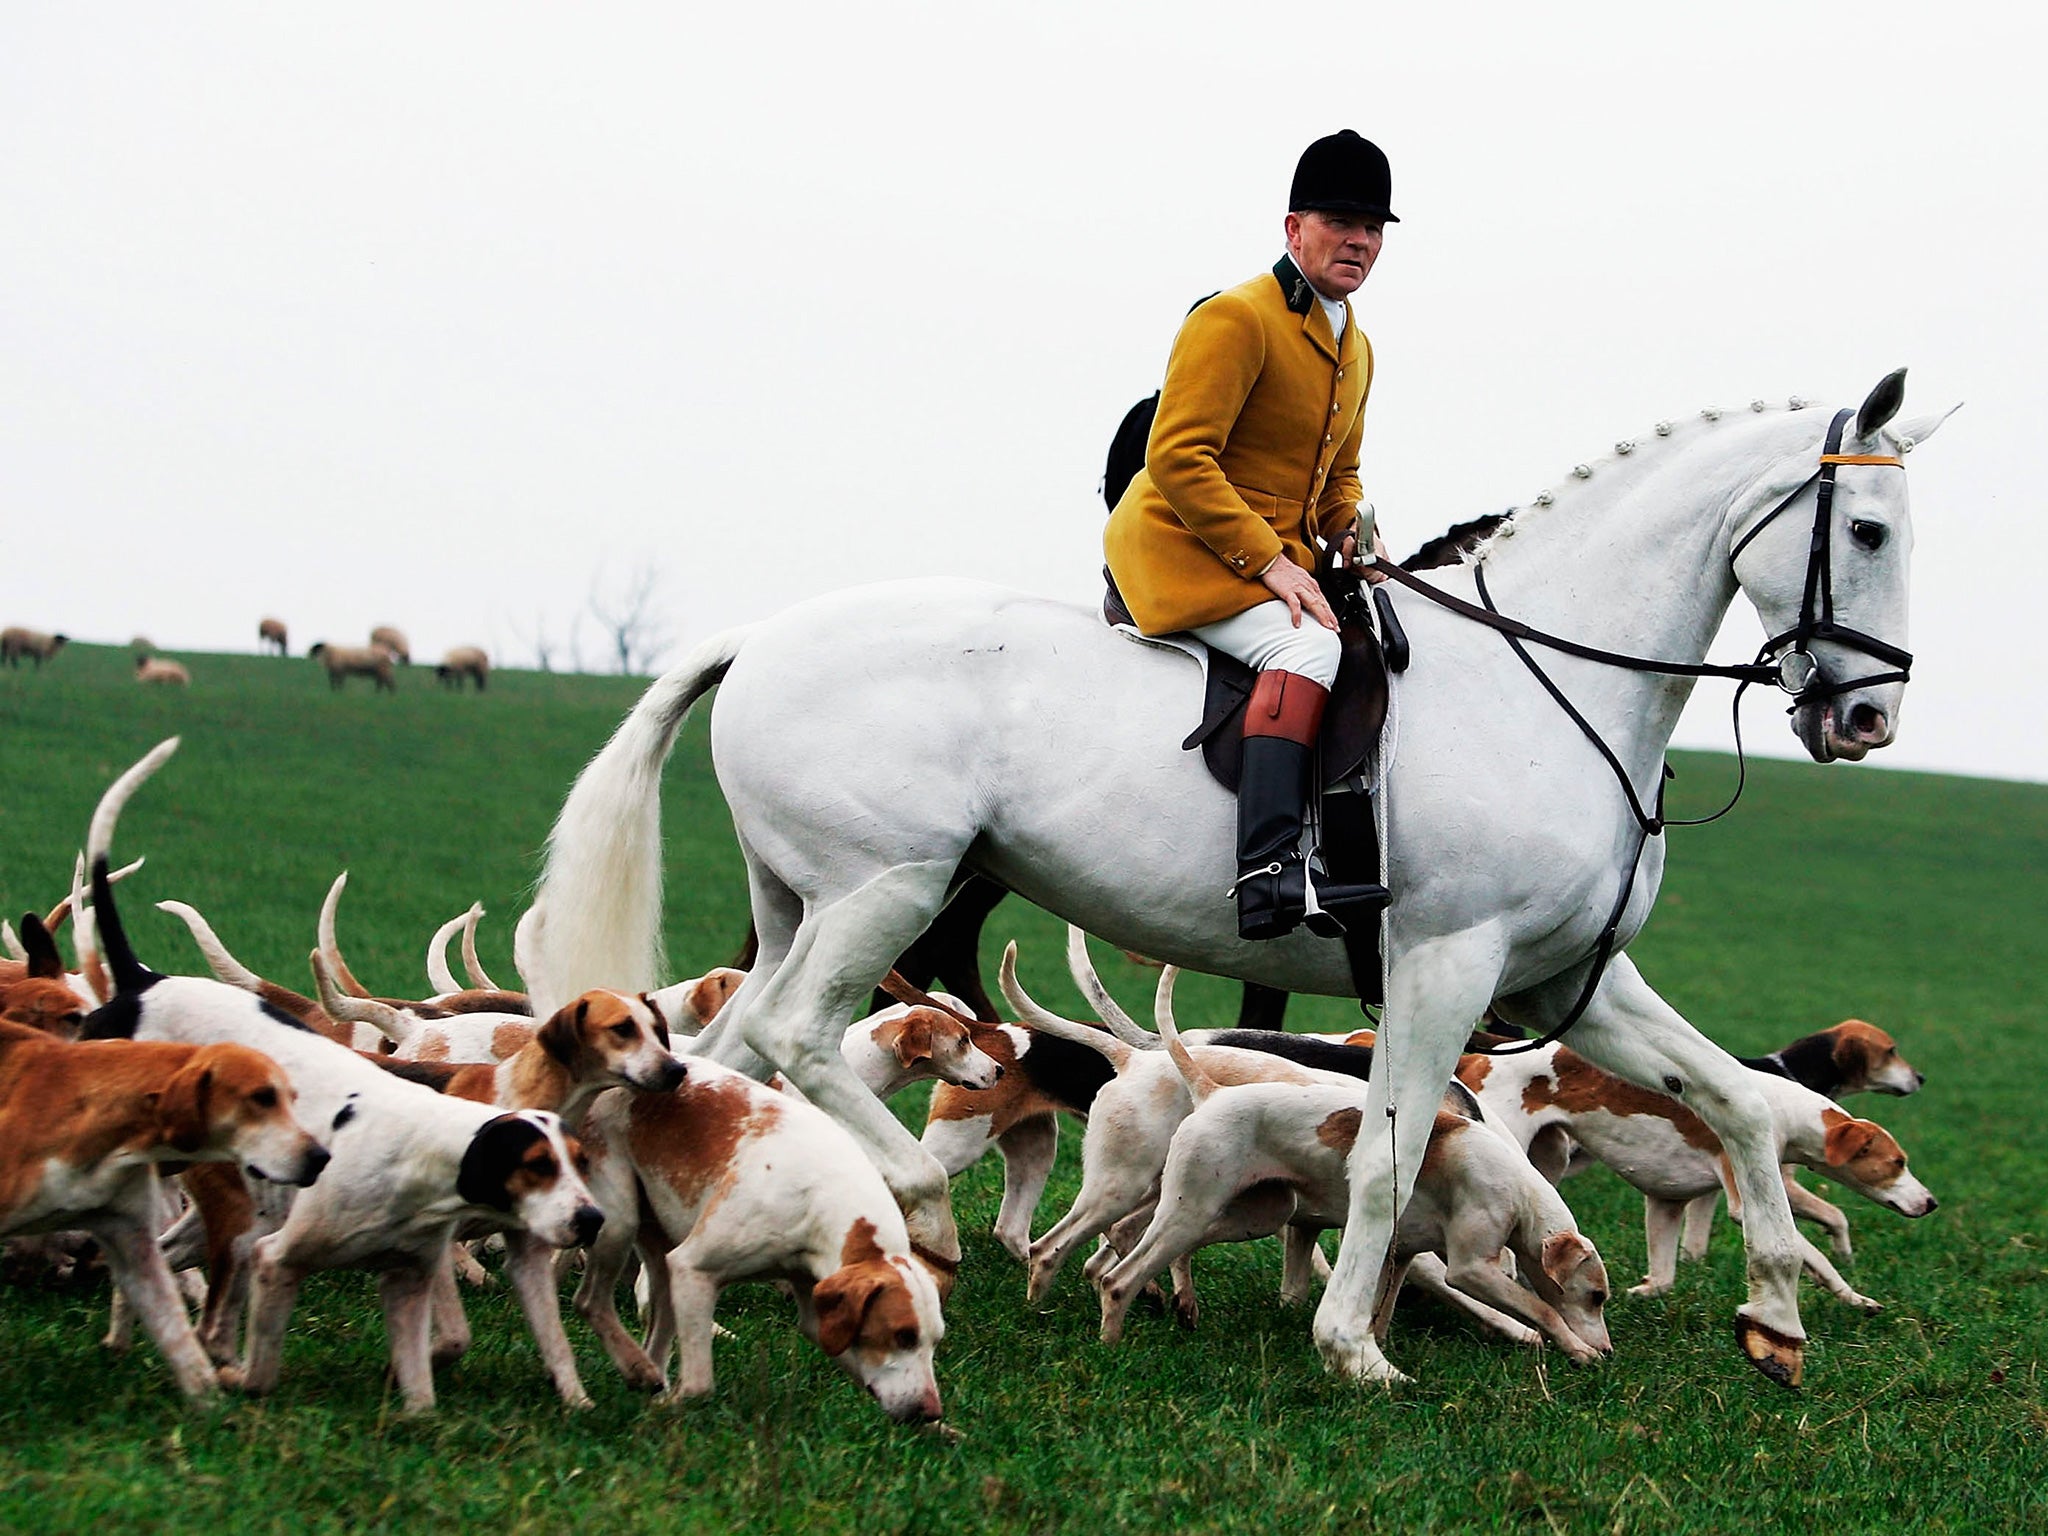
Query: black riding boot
[{"x": 1273, "y": 885}]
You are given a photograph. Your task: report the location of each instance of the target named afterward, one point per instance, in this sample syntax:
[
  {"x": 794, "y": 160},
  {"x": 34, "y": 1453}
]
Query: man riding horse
[{"x": 1251, "y": 471}]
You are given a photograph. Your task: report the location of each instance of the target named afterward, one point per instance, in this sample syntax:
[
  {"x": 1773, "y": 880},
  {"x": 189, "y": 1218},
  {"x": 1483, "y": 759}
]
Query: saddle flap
[{"x": 1351, "y": 721}]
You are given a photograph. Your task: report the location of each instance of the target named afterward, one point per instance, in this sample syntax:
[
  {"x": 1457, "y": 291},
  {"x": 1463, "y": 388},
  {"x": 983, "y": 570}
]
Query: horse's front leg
[
  {"x": 797, "y": 1022},
  {"x": 1436, "y": 990},
  {"x": 1634, "y": 1033}
]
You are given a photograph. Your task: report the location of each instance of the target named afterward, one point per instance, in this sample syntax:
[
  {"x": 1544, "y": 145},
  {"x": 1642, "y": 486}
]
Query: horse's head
[{"x": 1826, "y": 566}]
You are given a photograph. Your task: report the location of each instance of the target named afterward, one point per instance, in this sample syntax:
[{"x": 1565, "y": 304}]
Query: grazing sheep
[
  {"x": 464, "y": 661},
  {"x": 345, "y": 661},
  {"x": 16, "y": 642},
  {"x": 394, "y": 641},
  {"x": 272, "y": 632},
  {"x": 161, "y": 669}
]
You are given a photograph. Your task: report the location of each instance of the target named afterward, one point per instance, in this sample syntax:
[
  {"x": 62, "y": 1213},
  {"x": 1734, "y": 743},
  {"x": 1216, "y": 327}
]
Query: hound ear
[
  {"x": 562, "y": 1036},
  {"x": 660, "y": 1020},
  {"x": 1846, "y": 1140},
  {"x": 1564, "y": 1252},
  {"x": 43, "y": 959},
  {"x": 914, "y": 1037},
  {"x": 181, "y": 1110},
  {"x": 841, "y": 1300},
  {"x": 1882, "y": 403}
]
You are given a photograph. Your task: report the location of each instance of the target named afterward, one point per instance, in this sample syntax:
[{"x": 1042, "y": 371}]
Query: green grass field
[{"x": 1911, "y": 900}]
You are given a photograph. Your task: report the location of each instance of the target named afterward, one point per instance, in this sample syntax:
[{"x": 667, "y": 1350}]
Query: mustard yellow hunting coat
[{"x": 1254, "y": 453}]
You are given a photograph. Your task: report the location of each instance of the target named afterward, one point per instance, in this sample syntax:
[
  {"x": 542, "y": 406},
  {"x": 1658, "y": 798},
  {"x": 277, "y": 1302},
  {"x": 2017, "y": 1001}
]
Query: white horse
[{"x": 877, "y": 744}]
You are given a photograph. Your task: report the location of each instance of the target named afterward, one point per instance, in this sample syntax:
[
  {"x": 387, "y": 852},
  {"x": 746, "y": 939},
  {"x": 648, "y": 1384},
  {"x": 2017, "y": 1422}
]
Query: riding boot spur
[{"x": 1274, "y": 891}]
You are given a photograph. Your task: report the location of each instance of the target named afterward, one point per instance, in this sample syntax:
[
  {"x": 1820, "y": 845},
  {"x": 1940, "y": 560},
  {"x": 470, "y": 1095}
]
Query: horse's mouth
[{"x": 1833, "y": 734}]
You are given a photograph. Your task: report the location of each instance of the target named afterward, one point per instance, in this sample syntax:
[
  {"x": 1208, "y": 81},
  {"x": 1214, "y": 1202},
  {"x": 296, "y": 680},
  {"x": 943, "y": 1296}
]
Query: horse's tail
[
  {"x": 1200, "y": 1083},
  {"x": 600, "y": 894},
  {"x": 1048, "y": 1022}
]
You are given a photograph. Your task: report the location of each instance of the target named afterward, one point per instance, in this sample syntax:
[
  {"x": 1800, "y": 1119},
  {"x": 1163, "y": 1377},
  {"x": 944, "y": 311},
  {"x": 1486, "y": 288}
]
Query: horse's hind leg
[
  {"x": 1634, "y": 1033},
  {"x": 777, "y": 911},
  {"x": 798, "y": 1018}
]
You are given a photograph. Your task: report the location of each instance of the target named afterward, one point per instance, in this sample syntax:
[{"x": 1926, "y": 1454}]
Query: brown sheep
[
  {"x": 161, "y": 669},
  {"x": 16, "y": 642},
  {"x": 272, "y": 632},
  {"x": 464, "y": 661},
  {"x": 345, "y": 661},
  {"x": 394, "y": 641}
]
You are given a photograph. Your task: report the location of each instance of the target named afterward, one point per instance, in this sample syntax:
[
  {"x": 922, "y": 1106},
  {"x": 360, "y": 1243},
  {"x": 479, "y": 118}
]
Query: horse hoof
[
  {"x": 1778, "y": 1355},
  {"x": 1359, "y": 1361}
]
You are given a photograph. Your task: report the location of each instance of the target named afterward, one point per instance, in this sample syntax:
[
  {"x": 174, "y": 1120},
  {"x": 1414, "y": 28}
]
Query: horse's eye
[{"x": 1870, "y": 535}]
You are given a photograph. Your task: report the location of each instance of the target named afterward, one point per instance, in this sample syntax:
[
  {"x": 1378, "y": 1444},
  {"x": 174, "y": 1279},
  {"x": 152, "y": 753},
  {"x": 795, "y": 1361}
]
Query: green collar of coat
[{"x": 1294, "y": 288}]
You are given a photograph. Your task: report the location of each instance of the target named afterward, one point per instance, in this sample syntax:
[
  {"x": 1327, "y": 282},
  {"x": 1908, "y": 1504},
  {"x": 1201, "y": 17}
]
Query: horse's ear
[
  {"x": 1882, "y": 403},
  {"x": 1911, "y": 434}
]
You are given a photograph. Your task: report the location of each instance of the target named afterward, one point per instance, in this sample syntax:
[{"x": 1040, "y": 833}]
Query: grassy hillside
[{"x": 1914, "y": 901}]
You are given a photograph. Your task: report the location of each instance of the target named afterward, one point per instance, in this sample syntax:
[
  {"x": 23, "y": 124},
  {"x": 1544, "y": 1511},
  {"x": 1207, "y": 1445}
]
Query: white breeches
[{"x": 1263, "y": 638}]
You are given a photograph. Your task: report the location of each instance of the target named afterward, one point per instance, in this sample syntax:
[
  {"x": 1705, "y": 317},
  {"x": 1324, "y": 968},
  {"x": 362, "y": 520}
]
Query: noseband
[{"x": 1794, "y": 667}]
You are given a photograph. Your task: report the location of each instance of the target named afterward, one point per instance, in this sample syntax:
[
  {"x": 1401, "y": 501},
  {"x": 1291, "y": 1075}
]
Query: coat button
[
  {"x": 1333, "y": 410},
  {"x": 1326, "y": 437}
]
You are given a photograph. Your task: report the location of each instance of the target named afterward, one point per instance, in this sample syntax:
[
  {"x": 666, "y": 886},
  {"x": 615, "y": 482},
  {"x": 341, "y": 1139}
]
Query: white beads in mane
[{"x": 1638, "y": 451}]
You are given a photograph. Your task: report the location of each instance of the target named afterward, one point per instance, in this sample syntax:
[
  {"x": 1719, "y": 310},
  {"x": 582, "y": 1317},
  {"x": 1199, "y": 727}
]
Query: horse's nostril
[{"x": 1867, "y": 721}]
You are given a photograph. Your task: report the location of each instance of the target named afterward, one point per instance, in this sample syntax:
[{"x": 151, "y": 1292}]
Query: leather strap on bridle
[{"x": 1816, "y": 622}]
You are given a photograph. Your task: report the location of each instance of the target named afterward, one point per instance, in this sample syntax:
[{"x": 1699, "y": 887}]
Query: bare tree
[{"x": 630, "y": 614}]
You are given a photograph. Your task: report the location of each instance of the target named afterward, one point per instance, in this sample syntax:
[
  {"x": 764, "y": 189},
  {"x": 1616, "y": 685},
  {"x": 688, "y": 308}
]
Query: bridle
[
  {"x": 1799, "y": 671},
  {"x": 1784, "y": 661}
]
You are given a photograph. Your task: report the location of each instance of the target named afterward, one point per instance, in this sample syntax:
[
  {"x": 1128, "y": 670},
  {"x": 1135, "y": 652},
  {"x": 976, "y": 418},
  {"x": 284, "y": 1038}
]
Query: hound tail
[
  {"x": 600, "y": 894},
  {"x": 1200, "y": 1083},
  {"x": 1114, "y": 1019},
  {"x": 439, "y": 977},
  {"x": 130, "y": 974},
  {"x": 1048, "y": 1022}
]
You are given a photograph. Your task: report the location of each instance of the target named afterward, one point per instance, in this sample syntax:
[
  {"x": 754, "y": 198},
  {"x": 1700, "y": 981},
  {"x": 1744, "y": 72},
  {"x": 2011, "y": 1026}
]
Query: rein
[{"x": 1793, "y": 669}]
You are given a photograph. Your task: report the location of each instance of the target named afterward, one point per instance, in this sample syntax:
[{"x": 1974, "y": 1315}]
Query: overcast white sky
[{"x": 436, "y": 315}]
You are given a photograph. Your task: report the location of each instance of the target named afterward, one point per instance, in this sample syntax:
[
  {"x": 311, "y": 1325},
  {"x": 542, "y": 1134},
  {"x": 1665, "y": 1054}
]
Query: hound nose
[
  {"x": 588, "y": 1223},
  {"x": 311, "y": 1165},
  {"x": 672, "y": 1075}
]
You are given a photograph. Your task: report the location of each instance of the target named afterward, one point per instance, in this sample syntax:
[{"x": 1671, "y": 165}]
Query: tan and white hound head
[
  {"x": 234, "y": 1102},
  {"x": 878, "y": 1318},
  {"x": 611, "y": 1036},
  {"x": 1868, "y": 1158}
]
